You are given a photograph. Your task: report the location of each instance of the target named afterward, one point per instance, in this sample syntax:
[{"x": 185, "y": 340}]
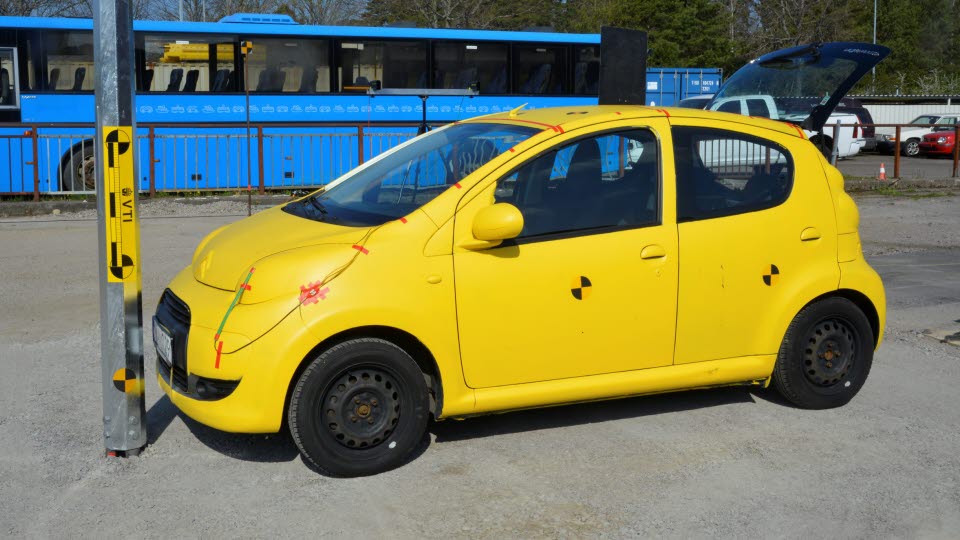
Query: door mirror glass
[{"x": 501, "y": 221}]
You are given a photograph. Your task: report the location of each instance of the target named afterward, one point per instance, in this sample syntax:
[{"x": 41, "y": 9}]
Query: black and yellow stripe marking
[
  {"x": 771, "y": 275},
  {"x": 125, "y": 380},
  {"x": 246, "y": 47},
  {"x": 580, "y": 287}
]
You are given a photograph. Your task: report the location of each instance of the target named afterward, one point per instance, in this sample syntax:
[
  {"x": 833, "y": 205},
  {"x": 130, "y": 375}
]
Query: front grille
[{"x": 174, "y": 314}]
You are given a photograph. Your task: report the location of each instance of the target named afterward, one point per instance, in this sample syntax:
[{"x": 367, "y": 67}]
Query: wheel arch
[
  {"x": 862, "y": 302},
  {"x": 408, "y": 342}
]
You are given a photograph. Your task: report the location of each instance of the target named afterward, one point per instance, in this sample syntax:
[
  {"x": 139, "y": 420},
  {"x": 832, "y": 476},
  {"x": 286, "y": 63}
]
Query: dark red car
[{"x": 938, "y": 143}]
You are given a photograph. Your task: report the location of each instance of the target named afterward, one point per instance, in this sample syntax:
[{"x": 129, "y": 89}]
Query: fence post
[
  {"x": 956, "y": 149},
  {"x": 36, "y": 163},
  {"x": 260, "y": 157},
  {"x": 834, "y": 148},
  {"x": 360, "y": 145},
  {"x": 896, "y": 154},
  {"x": 151, "y": 138}
]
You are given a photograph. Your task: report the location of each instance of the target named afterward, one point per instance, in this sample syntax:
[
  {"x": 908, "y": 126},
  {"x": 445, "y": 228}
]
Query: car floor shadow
[
  {"x": 586, "y": 413},
  {"x": 264, "y": 448}
]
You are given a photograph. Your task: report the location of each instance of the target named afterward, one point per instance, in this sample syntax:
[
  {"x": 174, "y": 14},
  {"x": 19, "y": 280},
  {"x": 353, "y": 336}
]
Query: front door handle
[
  {"x": 810, "y": 233},
  {"x": 653, "y": 251}
]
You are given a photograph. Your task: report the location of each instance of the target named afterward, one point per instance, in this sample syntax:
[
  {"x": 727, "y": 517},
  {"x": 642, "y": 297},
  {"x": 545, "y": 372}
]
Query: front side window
[
  {"x": 721, "y": 173},
  {"x": 597, "y": 184},
  {"x": 69, "y": 61},
  {"x": 183, "y": 64},
  {"x": 396, "y": 64},
  {"x": 459, "y": 64},
  {"x": 410, "y": 176},
  {"x": 288, "y": 65},
  {"x": 925, "y": 120},
  {"x": 539, "y": 69}
]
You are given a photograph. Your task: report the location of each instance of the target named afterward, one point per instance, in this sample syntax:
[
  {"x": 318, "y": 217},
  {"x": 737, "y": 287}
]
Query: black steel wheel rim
[
  {"x": 361, "y": 408},
  {"x": 830, "y": 353}
]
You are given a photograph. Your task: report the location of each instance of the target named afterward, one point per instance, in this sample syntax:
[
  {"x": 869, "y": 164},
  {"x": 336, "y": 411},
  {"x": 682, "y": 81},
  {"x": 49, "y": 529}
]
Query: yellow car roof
[{"x": 564, "y": 118}]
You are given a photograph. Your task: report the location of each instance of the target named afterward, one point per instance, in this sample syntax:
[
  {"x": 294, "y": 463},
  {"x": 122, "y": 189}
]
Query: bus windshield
[{"x": 409, "y": 177}]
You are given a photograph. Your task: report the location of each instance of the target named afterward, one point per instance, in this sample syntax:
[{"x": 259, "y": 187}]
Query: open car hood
[{"x": 805, "y": 82}]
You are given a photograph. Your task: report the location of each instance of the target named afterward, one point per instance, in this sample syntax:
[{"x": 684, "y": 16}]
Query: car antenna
[{"x": 514, "y": 112}]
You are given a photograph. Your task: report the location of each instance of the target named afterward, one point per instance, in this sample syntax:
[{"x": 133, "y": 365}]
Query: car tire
[
  {"x": 825, "y": 356},
  {"x": 359, "y": 408},
  {"x": 78, "y": 170},
  {"x": 911, "y": 147}
]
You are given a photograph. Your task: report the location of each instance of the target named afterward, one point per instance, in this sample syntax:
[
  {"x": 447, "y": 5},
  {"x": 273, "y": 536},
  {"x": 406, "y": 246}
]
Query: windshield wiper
[{"x": 318, "y": 205}]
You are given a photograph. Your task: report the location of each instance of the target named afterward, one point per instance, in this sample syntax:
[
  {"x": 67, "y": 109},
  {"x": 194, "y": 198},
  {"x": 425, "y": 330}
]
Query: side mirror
[{"x": 496, "y": 223}]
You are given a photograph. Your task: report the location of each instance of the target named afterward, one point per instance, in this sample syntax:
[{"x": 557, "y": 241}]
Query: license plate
[{"x": 163, "y": 342}]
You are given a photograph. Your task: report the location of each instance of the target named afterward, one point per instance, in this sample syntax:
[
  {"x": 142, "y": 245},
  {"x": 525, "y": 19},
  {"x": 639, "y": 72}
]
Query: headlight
[
  {"x": 941, "y": 140},
  {"x": 883, "y": 137}
]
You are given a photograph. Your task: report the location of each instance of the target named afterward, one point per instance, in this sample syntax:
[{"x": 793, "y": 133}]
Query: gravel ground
[{"x": 716, "y": 463}]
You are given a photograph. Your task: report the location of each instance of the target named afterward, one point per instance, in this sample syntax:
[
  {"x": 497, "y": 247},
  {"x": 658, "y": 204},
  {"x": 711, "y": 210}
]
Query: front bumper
[
  {"x": 242, "y": 388},
  {"x": 935, "y": 149}
]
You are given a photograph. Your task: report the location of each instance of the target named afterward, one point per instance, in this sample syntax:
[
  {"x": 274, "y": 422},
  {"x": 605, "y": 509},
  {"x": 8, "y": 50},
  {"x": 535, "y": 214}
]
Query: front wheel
[
  {"x": 78, "y": 170},
  {"x": 359, "y": 408},
  {"x": 826, "y": 355}
]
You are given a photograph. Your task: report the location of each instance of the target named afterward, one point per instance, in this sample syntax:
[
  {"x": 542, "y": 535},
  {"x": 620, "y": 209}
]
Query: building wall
[{"x": 902, "y": 114}]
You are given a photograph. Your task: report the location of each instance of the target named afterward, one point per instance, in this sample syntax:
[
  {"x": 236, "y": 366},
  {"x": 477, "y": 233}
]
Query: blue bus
[{"x": 310, "y": 116}]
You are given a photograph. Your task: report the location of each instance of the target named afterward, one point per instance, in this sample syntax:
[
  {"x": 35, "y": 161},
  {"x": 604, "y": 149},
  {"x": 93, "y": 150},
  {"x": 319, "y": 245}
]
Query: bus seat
[
  {"x": 176, "y": 75},
  {"x": 220, "y": 80},
  {"x": 54, "y": 79},
  {"x": 593, "y": 77},
  {"x": 308, "y": 81},
  {"x": 538, "y": 80},
  {"x": 263, "y": 81},
  {"x": 78, "y": 77},
  {"x": 498, "y": 85},
  {"x": 361, "y": 81},
  {"x": 147, "y": 79},
  {"x": 5, "y": 93},
  {"x": 279, "y": 78},
  {"x": 191, "y": 84},
  {"x": 466, "y": 77}
]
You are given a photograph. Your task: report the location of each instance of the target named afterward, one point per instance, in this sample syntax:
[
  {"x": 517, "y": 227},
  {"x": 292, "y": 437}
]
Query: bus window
[
  {"x": 539, "y": 69},
  {"x": 396, "y": 64},
  {"x": 69, "y": 61},
  {"x": 288, "y": 65},
  {"x": 183, "y": 64},
  {"x": 458, "y": 64},
  {"x": 586, "y": 71}
]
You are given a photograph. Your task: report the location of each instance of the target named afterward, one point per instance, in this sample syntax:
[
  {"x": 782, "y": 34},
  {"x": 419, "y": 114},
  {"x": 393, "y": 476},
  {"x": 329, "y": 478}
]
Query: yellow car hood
[{"x": 224, "y": 258}]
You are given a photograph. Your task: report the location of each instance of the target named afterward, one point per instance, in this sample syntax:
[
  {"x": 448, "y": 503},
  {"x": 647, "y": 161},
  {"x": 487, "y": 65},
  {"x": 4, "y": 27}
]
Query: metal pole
[
  {"x": 245, "y": 48},
  {"x": 121, "y": 317},
  {"x": 874, "y": 68}
]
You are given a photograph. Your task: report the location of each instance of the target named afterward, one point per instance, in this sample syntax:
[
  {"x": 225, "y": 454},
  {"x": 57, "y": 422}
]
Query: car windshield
[
  {"x": 411, "y": 175},
  {"x": 797, "y": 83},
  {"x": 926, "y": 119}
]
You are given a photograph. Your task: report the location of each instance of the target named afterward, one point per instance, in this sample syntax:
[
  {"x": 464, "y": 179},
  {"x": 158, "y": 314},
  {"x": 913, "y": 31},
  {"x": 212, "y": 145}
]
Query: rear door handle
[
  {"x": 653, "y": 251},
  {"x": 810, "y": 233}
]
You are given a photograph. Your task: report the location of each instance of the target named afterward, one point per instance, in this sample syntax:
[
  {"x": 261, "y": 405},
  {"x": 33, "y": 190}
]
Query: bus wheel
[
  {"x": 359, "y": 408},
  {"x": 78, "y": 170}
]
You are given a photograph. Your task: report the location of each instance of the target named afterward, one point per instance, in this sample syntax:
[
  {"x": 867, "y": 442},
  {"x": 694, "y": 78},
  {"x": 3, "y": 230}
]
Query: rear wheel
[
  {"x": 911, "y": 147},
  {"x": 359, "y": 408},
  {"x": 826, "y": 355},
  {"x": 77, "y": 170}
]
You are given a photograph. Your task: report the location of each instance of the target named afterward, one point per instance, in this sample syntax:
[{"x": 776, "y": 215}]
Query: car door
[
  {"x": 589, "y": 285},
  {"x": 754, "y": 236}
]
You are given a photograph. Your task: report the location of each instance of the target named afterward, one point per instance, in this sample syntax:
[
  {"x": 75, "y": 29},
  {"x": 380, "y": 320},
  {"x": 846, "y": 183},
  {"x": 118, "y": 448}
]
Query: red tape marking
[
  {"x": 551, "y": 126},
  {"x": 665, "y": 113},
  {"x": 403, "y": 220},
  {"x": 458, "y": 186},
  {"x": 312, "y": 293},
  {"x": 618, "y": 113},
  {"x": 512, "y": 150},
  {"x": 247, "y": 287},
  {"x": 361, "y": 249},
  {"x": 800, "y": 131},
  {"x": 219, "y": 350}
]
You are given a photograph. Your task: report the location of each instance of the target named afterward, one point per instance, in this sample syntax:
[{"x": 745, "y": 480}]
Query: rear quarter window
[{"x": 724, "y": 173}]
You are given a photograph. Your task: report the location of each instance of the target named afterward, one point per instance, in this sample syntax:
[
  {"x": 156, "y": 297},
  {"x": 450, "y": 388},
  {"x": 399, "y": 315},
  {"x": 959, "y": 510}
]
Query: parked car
[
  {"x": 910, "y": 138},
  {"x": 938, "y": 143},
  {"x": 534, "y": 258},
  {"x": 849, "y": 142},
  {"x": 867, "y": 131},
  {"x": 695, "y": 102}
]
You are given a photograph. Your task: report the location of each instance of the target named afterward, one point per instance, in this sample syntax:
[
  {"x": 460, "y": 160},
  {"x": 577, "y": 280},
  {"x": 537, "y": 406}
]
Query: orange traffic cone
[{"x": 883, "y": 173}]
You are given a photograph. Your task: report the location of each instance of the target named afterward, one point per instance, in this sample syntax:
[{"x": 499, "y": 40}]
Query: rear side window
[
  {"x": 730, "y": 107},
  {"x": 758, "y": 107},
  {"x": 722, "y": 173}
]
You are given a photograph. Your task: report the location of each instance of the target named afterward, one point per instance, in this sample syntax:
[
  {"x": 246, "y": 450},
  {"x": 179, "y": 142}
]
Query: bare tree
[
  {"x": 40, "y": 8},
  {"x": 326, "y": 12}
]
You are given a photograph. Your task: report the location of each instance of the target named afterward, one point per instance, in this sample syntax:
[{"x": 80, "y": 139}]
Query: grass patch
[{"x": 910, "y": 193}]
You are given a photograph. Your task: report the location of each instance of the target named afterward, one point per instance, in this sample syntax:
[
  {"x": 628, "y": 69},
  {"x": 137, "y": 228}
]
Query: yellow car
[{"x": 526, "y": 259}]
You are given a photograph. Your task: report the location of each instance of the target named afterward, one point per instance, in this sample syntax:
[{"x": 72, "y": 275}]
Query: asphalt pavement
[{"x": 716, "y": 463}]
